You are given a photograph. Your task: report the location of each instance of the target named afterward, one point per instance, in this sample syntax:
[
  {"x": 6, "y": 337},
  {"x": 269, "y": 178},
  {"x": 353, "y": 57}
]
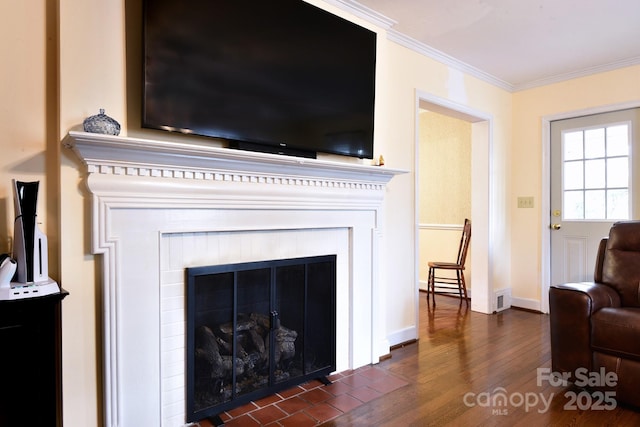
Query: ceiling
[{"x": 519, "y": 43}]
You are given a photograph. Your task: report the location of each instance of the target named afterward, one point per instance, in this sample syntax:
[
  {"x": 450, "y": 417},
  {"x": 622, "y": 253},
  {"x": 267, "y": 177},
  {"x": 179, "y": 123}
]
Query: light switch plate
[{"x": 525, "y": 202}]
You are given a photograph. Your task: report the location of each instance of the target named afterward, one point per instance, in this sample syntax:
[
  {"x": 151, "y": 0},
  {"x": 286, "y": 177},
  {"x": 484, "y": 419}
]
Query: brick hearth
[{"x": 313, "y": 403}]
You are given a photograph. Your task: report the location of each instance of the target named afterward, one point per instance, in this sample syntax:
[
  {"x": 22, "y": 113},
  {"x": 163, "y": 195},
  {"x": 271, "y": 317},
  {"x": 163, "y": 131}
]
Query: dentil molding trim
[{"x": 117, "y": 155}]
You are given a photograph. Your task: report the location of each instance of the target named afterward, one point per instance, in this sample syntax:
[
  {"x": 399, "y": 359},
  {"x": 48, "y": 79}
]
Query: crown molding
[
  {"x": 446, "y": 59},
  {"x": 363, "y": 12},
  {"x": 611, "y": 66}
]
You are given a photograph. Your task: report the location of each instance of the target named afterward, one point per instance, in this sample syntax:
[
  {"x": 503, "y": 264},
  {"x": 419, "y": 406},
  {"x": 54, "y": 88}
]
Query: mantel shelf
[{"x": 99, "y": 151}]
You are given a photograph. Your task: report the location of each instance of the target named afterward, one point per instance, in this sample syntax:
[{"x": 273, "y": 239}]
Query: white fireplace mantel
[
  {"x": 161, "y": 206},
  {"x": 123, "y": 155}
]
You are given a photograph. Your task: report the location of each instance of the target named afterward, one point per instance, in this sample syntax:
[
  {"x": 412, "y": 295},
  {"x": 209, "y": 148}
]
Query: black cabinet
[{"x": 30, "y": 361}]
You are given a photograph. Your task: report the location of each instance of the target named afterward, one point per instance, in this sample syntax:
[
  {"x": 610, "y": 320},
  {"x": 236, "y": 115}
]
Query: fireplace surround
[{"x": 159, "y": 207}]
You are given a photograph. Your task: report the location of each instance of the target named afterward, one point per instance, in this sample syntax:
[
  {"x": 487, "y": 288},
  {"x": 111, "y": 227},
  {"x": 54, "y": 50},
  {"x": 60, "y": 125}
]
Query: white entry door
[{"x": 592, "y": 186}]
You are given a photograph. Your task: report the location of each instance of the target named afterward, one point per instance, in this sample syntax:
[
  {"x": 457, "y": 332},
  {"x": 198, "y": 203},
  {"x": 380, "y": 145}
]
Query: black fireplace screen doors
[{"x": 257, "y": 328}]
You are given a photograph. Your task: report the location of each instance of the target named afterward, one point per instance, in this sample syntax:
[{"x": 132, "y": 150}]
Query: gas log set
[{"x": 215, "y": 365}]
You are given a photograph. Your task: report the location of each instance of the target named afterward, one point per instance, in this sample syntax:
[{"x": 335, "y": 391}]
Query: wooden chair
[{"x": 447, "y": 284}]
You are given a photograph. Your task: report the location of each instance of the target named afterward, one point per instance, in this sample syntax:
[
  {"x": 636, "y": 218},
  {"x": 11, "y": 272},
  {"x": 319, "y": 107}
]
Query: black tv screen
[{"x": 278, "y": 73}]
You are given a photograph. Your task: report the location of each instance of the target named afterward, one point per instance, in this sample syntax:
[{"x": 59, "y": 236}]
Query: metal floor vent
[{"x": 502, "y": 299}]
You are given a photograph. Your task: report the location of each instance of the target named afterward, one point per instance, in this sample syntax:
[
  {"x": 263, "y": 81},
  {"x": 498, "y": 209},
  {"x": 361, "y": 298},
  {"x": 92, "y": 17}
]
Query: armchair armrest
[{"x": 570, "y": 308}]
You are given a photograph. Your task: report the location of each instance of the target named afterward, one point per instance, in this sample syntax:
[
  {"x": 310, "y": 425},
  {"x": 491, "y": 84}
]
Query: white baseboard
[
  {"x": 526, "y": 303},
  {"x": 402, "y": 336},
  {"x": 529, "y": 304}
]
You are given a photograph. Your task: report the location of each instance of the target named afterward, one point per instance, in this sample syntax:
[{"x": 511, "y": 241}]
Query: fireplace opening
[{"x": 257, "y": 328}]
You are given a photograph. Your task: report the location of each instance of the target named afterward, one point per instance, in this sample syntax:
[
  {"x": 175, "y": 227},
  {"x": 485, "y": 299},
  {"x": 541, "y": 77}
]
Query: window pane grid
[{"x": 596, "y": 173}]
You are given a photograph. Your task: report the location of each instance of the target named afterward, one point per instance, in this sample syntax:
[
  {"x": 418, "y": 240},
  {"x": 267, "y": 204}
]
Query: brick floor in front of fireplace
[{"x": 313, "y": 403}]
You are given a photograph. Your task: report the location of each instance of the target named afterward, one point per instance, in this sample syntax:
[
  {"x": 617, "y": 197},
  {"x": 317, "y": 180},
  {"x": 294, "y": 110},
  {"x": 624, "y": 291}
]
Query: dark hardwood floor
[{"x": 464, "y": 361}]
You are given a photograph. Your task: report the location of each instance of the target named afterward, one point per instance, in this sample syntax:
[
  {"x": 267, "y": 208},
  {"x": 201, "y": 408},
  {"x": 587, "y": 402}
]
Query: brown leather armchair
[{"x": 596, "y": 325}]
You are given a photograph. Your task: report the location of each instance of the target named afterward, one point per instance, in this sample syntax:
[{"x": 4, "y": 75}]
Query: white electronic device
[
  {"x": 29, "y": 290},
  {"x": 7, "y": 270},
  {"x": 30, "y": 248},
  {"x": 26, "y": 273}
]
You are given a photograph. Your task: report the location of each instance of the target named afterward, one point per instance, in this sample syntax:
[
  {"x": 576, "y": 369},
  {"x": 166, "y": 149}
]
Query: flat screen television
[{"x": 267, "y": 75}]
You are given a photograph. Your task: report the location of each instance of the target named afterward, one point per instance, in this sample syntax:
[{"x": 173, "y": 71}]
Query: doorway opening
[
  {"x": 445, "y": 193},
  {"x": 480, "y": 197}
]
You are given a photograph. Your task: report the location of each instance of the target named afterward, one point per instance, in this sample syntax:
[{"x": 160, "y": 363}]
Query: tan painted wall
[
  {"x": 93, "y": 75},
  {"x": 28, "y": 147},
  {"x": 529, "y": 108},
  {"x": 445, "y": 169},
  {"x": 406, "y": 73}
]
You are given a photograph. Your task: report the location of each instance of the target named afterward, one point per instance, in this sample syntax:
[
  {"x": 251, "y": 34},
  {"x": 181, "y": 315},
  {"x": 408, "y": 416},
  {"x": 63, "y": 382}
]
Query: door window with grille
[{"x": 596, "y": 173}]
